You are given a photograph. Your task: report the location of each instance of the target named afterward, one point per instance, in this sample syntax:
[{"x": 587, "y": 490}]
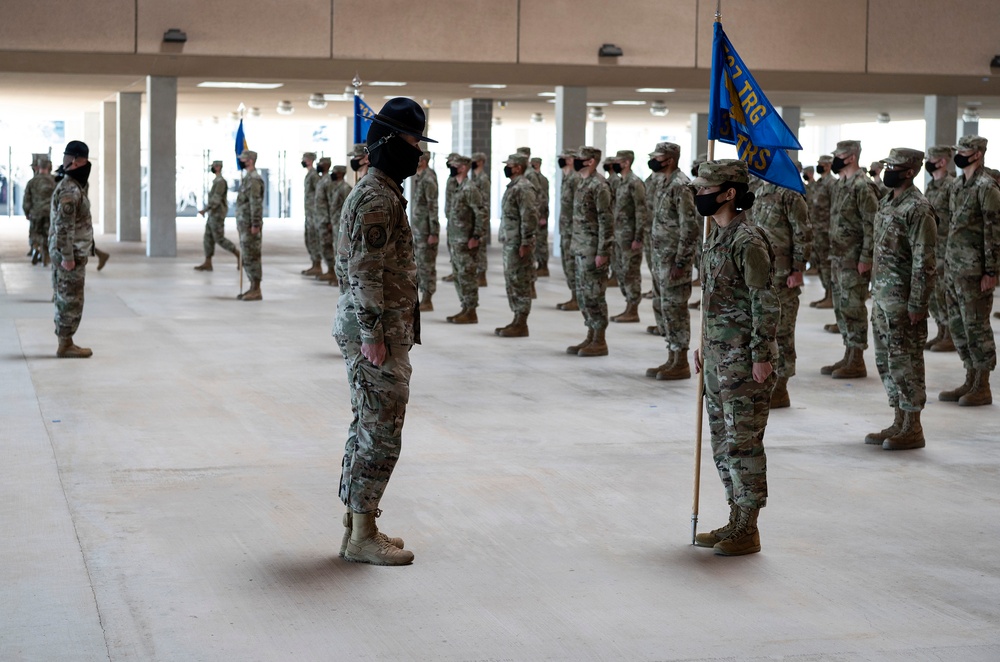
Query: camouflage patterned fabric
[
  {"x": 676, "y": 230},
  {"x": 630, "y": 221},
  {"x": 71, "y": 238},
  {"x": 902, "y": 282},
  {"x": 566, "y": 195},
  {"x": 592, "y": 236},
  {"x": 519, "y": 223},
  {"x": 425, "y": 222},
  {"x": 466, "y": 219},
  {"x": 852, "y": 213},
  {"x": 541, "y": 184},
  {"x": 739, "y": 316},
  {"x": 37, "y": 206},
  {"x": 309, "y": 203},
  {"x": 482, "y": 180},
  {"x": 215, "y": 221},
  {"x": 819, "y": 217},
  {"x": 654, "y": 183},
  {"x": 250, "y": 214},
  {"x": 938, "y": 193}
]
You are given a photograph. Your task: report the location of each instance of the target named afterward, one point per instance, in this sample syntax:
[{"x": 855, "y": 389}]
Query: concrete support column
[
  {"x": 571, "y": 132},
  {"x": 793, "y": 117},
  {"x": 92, "y": 136},
  {"x": 599, "y": 138},
  {"x": 161, "y": 106},
  {"x": 941, "y": 118},
  {"x": 109, "y": 172},
  {"x": 128, "y": 170},
  {"x": 472, "y": 127},
  {"x": 699, "y": 141}
]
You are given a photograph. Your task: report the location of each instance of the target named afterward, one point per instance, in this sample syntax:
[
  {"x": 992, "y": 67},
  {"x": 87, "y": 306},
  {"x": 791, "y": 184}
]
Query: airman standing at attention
[
  {"x": 819, "y": 217},
  {"x": 309, "y": 205},
  {"x": 37, "y": 205},
  {"x": 215, "y": 223},
  {"x": 322, "y": 217},
  {"x": 467, "y": 223},
  {"x": 593, "y": 236},
  {"x": 450, "y": 186},
  {"x": 359, "y": 161},
  {"x": 875, "y": 172},
  {"x": 631, "y": 223},
  {"x": 249, "y": 222},
  {"x": 480, "y": 176},
  {"x": 653, "y": 183},
  {"x": 613, "y": 177},
  {"x": 570, "y": 180},
  {"x": 542, "y": 198},
  {"x": 426, "y": 229},
  {"x": 852, "y": 214},
  {"x": 519, "y": 219},
  {"x": 939, "y": 189},
  {"x": 542, "y": 241}
]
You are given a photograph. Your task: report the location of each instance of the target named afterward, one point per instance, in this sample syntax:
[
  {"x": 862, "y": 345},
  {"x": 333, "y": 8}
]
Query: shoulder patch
[
  {"x": 375, "y": 235},
  {"x": 374, "y": 217}
]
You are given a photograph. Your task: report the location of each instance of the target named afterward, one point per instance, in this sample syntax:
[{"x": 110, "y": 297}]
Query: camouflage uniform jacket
[
  {"x": 819, "y": 206},
  {"x": 467, "y": 215},
  {"x": 218, "y": 203},
  {"x": 424, "y": 218},
  {"x": 593, "y": 224},
  {"x": 541, "y": 185},
  {"x": 321, "y": 204},
  {"x": 974, "y": 227},
  {"x": 519, "y": 214},
  {"x": 631, "y": 211},
  {"x": 939, "y": 195},
  {"x": 676, "y": 228},
  {"x": 450, "y": 186},
  {"x": 614, "y": 181},
  {"x": 309, "y": 195},
  {"x": 336, "y": 195},
  {"x": 783, "y": 216},
  {"x": 654, "y": 184},
  {"x": 566, "y": 195},
  {"x": 37, "y": 202},
  {"x": 904, "y": 267},
  {"x": 71, "y": 231},
  {"x": 738, "y": 301},
  {"x": 852, "y": 214},
  {"x": 375, "y": 261},
  {"x": 482, "y": 180},
  {"x": 250, "y": 201}
]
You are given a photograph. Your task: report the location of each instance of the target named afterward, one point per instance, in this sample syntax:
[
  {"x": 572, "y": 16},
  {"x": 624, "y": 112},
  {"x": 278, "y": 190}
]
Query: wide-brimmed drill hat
[
  {"x": 77, "y": 148},
  {"x": 403, "y": 115}
]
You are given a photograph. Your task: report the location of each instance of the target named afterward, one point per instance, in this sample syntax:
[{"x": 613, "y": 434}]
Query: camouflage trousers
[
  {"x": 542, "y": 244},
  {"x": 591, "y": 292},
  {"x": 426, "y": 258},
  {"x": 784, "y": 366},
  {"x": 481, "y": 255},
  {"x": 670, "y": 306},
  {"x": 312, "y": 238},
  {"x": 215, "y": 229},
  {"x": 67, "y": 289},
  {"x": 328, "y": 236},
  {"x": 38, "y": 231},
  {"x": 737, "y": 408},
  {"x": 820, "y": 256},
  {"x": 568, "y": 261},
  {"x": 378, "y": 405},
  {"x": 464, "y": 264},
  {"x": 629, "y": 271},
  {"x": 899, "y": 356},
  {"x": 250, "y": 251},
  {"x": 938, "y": 305},
  {"x": 518, "y": 273},
  {"x": 849, "y": 291},
  {"x": 969, "y": 321}
]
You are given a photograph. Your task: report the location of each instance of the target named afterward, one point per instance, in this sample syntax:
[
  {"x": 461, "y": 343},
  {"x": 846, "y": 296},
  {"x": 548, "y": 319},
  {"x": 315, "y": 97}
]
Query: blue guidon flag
[
  {"x": 739, "y": 114},
  {"x": 363, "y": 115},
  {"x": 241, "y": 144}
]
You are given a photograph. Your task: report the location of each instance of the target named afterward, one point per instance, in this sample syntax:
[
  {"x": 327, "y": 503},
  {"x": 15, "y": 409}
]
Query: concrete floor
[{"x": 175, "y": 496}]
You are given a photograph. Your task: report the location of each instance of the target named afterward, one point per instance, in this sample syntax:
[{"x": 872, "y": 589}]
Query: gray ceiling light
[
  {"x": 317, "y": 101},
  {"x": 658, "y": 109},
  {"x": 285, "y": 107}
]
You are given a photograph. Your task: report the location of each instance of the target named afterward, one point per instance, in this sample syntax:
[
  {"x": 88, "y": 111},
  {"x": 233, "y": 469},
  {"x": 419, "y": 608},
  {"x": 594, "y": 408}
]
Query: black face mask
[
  {"x": 473, "y": 166},
  {"x": 930, "y": 166},
  {"x": 837, "y": 165},
  {"x": 654, "y": 165},
  {"x": 873, "y": 173},
  {"x": 963, "y": 161},
  {"x": 396, "y": 158},
  {"x": 562, "y": 162},
  {"x": 607, "y": 167},
  {"x": 508, "y": 172},
  {"x": 578, "y": 164},
  {"x": 820, "y": 169},
  {"x": 81, "y": 174},
  {"x": 707, "y": 204},
  {"x": 617, "y": 167},
  {"x": 355, "y": 164},
  {"x": 59, "y": 173},
  {"x": 452, "y": 171},
  {"x": 212, "y": 170},
  {"x": 694, "y": 171},
  {"x": 806, "y": 179},
  {"x": 304, "y": 164},
  {"x": 894, "y": 178}
]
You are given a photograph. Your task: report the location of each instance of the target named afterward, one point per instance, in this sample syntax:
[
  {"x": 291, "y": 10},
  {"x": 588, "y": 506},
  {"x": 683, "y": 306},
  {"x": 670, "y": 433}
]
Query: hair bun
[{"x": 746, "y": 200}]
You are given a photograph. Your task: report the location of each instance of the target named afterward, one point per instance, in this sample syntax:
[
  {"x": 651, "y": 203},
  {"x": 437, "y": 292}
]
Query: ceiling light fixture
[
  {"x": 346, "y": 96},
  {"x": 386, "y": 83},
  {"x": 658, "y": 109},
  {"x": 546, "y": 94},
  {"x": 317, "y": 101},
  {"x": 655, "y": 90},
  {"x": 971, "y": 114},
  {"x": 488, "y": 86},
  {"x": 254, "y": 111},
  {"x": 285, "y": 107},
  {"x": 596, "y": 114},
  {"x": 236, "y": 85},
  {"x": 609, "y": 50},
  {"x": 628, "y": 102},
  {"x": 537, "y": 118},
  {"x": 497, "y": 120},
  {"x": 597, "y": 104},
  {"x": 883, "y": 118}
]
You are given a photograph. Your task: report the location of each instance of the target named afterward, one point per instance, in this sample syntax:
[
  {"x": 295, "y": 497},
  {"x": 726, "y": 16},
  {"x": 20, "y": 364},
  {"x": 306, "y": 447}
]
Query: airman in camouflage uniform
[
  {"x": 542, "y": 241},
  {"x": 541, "y": 186},
  {"x": 739, "y": 321},
  {"x": 480, "y": 176},
  {"x": 450, "y": 186},
  {"x": 426, "y": 229},
  {"x": 972, "y": 260},
  {"x": 782, "y": 214},
  {"x": 613, "y": 177},
  {"x": 902, "y": 281},
  {"x": 215, "y": 221},
  {"x": 71, "y": 240},
  {"x": 322, "y": 219},
  {"x": 630, "y": 225},
  {"x": 358, "y": 160},
  {"x": 467, "y": 225},
  {"x": 567, "y": 191},
  {"x": 593, "y": 227},
  {"x": 875, "y": 172},
  {"x": 819, "y": 217},
  {"x": 852, "y": 214},
  {"x": 675, "y": 232},
  {"x": 519, "y": 221},
  {"x": 249, "y": 222},
  {"x": 309, "y": 206},
  {"x": 37, "y": 206},
  {"x": 938, "y": 193},
  {"x": 653, "y": 183}
]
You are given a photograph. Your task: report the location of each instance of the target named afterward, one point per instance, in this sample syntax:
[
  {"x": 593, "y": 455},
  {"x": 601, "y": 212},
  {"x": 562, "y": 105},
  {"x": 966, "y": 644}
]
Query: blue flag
[
  {"x": 241, "y": 144},
  {"x": 739, "y": 114},
  {"x": 363, "y": 115}
]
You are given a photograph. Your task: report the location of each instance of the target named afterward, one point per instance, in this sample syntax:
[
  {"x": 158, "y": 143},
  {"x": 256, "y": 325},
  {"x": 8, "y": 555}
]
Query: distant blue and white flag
[
  {"x": 363, "y": 115},
  {"x": 241, "y": 144},
  {"x": 739, "y": 114}
]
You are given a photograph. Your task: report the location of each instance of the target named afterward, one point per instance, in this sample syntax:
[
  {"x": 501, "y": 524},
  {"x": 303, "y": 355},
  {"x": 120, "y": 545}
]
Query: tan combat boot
[
  {"x": 631, "y": 313},
  {"x": 955, "y": 395},
  {"x": 450, "y": 278},
  {"x": 206, "y": 265},
  {"x": 654, "y": 331},
  {"x": 569, "y": 305},
  {"x": 876, "y": 438},
  {"x": 779, "y": 396},
  {"x": 825, "y": 302},
  {"x": 597, "y": 347},
  {"x": 936, "y": 339},
  {"x": 102, "y": 258},
  {"x": 46, "y": 258},
  {"x": 744, "y": 537},
  {"x": 575, "y": 349},
  {"x": 365, "y": 545},
  {"x": 855, "y": 366},
  {"x": 651, "y": 372},
  {"x": 395, "y": 542},
  {"x": 327, "y": 277},
  {"x": 543, "y": 270},
  {"x": 828, "y": 369},
  {"x": 832, "y": 328},
  {"x": 712, "y": 538},
  {"x": 253, "y": 294},
  {"x": 482, "y": 281},
  {"x": 315, "y": 270},
  {"x": 67, "y": 350},
  {"x": 980, "y": 393},
  {"x": 467, "y": 316},
  {"x": 911, "y": 435},
  {"x": 425, "y": 303},
  {"x": 451, "y": 318},
  {"x": 516, "y": 329},
  {"x": 946, "y": 344},
  {"x": 679, "y": 369}
]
